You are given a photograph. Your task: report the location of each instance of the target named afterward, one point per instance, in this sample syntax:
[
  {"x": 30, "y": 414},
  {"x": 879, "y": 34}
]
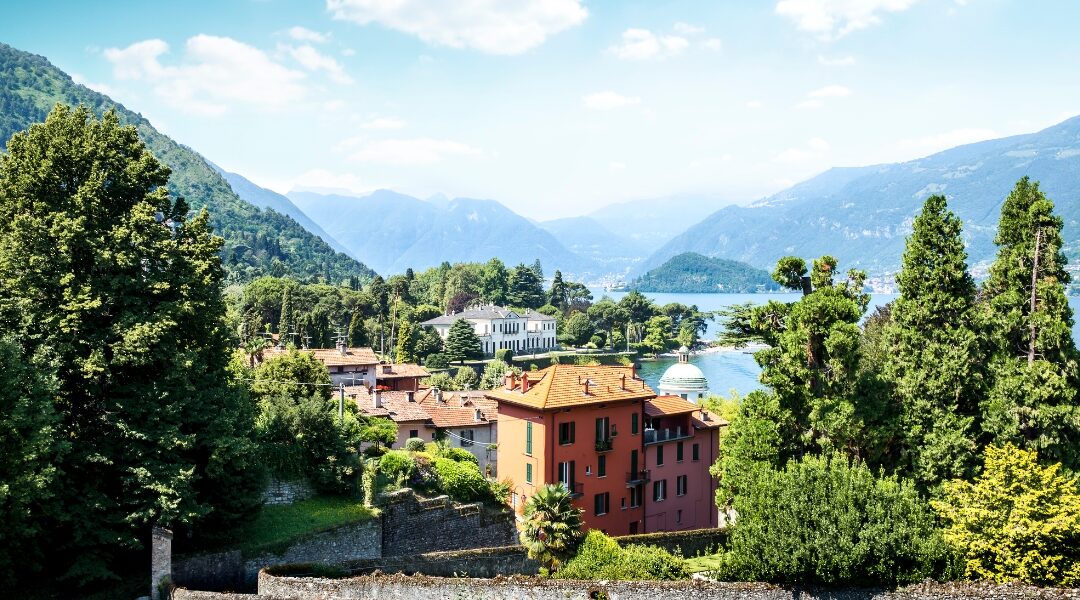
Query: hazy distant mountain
[
  {"x": 264, "y": 198},
  {"x": 862, "y": 215},
  {"x": 652, "y": 222},
  {"x": 257, "y": 242},
  {"x": 586, "y": 237},
  {"x": 691, "y": 273},
  {"x": 393, "y": 231}
]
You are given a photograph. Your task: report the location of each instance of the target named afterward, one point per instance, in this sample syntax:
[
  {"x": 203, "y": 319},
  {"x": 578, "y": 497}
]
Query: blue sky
[{"x": 557, "y": 107}]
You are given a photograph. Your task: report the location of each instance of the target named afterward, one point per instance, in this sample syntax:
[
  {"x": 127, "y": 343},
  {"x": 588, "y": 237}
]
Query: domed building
[{"x": 684, "y": 379}]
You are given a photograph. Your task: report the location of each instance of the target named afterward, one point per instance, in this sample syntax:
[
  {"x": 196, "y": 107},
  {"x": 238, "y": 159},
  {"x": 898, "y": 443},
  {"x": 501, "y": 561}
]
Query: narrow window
[
  {"x": 695, "y": 451},
  {"x": 601, "y": 466},
  {"x": 633, "y": 424},
  {"x": 679, "y": 452},
  {"x": 659, "y": 455},
  {"x": 528, "y": 473},
  {"x": 528, "y": 437}
]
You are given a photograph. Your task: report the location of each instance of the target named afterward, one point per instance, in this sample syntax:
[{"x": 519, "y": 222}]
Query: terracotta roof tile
[
  {"x": 704, "y": 419},
  {"x": 563, "y": 386},
  {"x": 395, "y": 405},
  {"x": 400, "y": 371},
  {"x": 332, "y": 357},
  {"x": 458, "y": 409},
  {"x": 669, "y": 405}
]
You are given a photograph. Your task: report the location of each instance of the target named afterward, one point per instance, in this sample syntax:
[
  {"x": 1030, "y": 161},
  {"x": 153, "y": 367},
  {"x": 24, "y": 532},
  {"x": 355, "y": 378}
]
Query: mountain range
[
  {"x": 862, "y": 215},
  {"x": 258, "y": 241}
]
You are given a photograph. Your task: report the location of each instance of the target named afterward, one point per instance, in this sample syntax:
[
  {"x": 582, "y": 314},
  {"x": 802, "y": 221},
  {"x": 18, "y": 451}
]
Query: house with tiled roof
[
  {"x": 400, "y": 377},
  {"x": 466, "y": 420},
  {"x": 593, "y": 429},
  {"x": 349, "y": 366},
  {"x": 499, "y": 327},
  {"x": 403, "y": 408}
]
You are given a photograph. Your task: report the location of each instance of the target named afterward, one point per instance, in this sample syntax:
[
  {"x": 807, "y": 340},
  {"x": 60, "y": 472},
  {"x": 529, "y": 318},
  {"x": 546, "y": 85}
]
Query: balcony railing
[
  {"x": 604, "y": 445},
  {"x": 637, "y": 477},
  {"x": 656, "y": 436},
  {"x": 576, "y": 488}
]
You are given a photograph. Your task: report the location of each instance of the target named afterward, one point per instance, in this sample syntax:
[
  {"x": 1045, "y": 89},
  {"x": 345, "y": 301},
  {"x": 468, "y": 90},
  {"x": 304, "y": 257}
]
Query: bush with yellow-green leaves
[{"x": 1017, "y": 521}]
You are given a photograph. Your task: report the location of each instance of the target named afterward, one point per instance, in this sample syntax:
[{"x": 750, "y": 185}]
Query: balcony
[
  {"x": 657, "y": 436},
  {"x": 576, "y": 488},
  {"x": 604, "y": 445},
  {"x": 637, "y": 478}
]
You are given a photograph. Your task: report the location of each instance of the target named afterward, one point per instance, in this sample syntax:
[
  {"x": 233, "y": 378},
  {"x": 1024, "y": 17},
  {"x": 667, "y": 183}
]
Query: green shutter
[
  {"x": 633, "y": 424},
  {"x": 528, "y": 471},
  {"x": 528, "y": 443}
]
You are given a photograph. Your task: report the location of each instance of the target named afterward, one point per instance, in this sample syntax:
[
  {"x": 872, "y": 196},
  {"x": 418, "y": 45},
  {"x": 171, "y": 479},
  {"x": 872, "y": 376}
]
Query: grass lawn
[
  {"x": 281, "y": 523},
  {"x": 700, "y": 564}
]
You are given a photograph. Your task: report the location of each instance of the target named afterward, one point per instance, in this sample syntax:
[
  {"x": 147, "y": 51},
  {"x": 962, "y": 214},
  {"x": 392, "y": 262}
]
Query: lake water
[{"x": 736, "y": 369}]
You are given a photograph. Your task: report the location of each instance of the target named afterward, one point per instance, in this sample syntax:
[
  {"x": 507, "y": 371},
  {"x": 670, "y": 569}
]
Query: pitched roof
[
  {"x": 704, "y": 419},
  {"x": 332, "y": 357},
  {"x": 395, "y": 405},
  {"x": 488, "y": 312},
  {"x": 401, "y": 371},
  {"x": 458, "y": 409},
  {"x": 564, "y": 386},
  {"x": 669, "y": 405}
]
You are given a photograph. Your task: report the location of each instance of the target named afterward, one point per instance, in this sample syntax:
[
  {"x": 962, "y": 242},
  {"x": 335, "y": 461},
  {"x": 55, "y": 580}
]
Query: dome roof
[{"x": 685, "y": 377}]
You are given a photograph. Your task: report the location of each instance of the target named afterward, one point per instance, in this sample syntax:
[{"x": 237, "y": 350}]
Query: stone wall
[
  {"x": 211, "y": 571},
  {"x": 411, "y": 525},
  {"x": 402, "y": 587},
  {"x": 482, "y": 562},
  {"x": 160, "y": 561},
  {"x": 689, "y": 543},
  {"x": 343, "y": 544},
  {"x": 280, "y": 491}
]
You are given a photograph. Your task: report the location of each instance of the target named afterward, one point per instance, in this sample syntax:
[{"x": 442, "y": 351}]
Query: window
[
  {"x": 696, "y": 452},
  {"x": 633, "y": 424},
  {"x": 602, "y": 429},
  {"x": 414, "y": 433},
  {"x": 601, "y": 466},
  {"x": 528, "y": 473},
  {"x": 680, "y": 485},
  {"x": 678, "y": 516},
  {"x": 635, "y": 496},
  {"x": 678, "y": 452},
  {"x": 566, "y": 433},
  {"x": 566, "y": 475},
  {"x": 601, "y": 503},
  {"x": 528, "y": 437},
  {"x": 659, "y": 490},
  {"x": 467, "y": 438},
  {"x": 660, "y": 455}
]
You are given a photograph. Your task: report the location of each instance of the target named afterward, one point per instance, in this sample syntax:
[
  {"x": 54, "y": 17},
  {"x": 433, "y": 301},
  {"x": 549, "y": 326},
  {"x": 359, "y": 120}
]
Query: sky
[{"x": 558, "y": 107}]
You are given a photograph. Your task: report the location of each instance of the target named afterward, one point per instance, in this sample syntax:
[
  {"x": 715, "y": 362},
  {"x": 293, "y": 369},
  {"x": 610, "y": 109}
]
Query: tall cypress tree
[
  {"x": 934, "y": 361},
  {"x": 462, "y": 343},
  {"x": 1033, "y": 398},
  {"x": 286, "y": 323},
  {"x": 557, "y": 295},
  {"x": 106, "y": 274}
]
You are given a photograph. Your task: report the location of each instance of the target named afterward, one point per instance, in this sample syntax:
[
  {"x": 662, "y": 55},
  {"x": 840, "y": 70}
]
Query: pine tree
[
  {"x": 1033, "y": 397},
  {"x": 406, "y": 343},
  {"x": 128, "y": 305},
  {"x": 462, "y": 343},
  {"x": 557, "y": 296},
  {"x": 538, "y": 269},
  {"x": 286, "y": 323},
  {"x": 934, "y": 357},
  {"x": 526, "y": 288}
]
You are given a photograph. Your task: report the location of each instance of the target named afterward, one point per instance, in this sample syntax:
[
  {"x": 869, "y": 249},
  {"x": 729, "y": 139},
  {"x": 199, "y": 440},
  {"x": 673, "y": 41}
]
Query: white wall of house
[{"x": 518, "y": 333}]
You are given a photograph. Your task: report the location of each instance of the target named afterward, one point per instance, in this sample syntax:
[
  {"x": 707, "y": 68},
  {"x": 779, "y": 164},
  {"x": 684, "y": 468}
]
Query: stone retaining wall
[
  {"x": 411, "y": 525},
  {"x": 531, "y": 588},
  {"x": 689, "y": 543},
  {"x": 481, "y": 562},
  {"x": 280, "y": 491}
]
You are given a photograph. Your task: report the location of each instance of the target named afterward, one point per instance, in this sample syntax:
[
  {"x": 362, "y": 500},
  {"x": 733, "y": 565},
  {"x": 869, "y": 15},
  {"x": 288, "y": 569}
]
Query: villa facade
[{"x": 499, "y": 328}]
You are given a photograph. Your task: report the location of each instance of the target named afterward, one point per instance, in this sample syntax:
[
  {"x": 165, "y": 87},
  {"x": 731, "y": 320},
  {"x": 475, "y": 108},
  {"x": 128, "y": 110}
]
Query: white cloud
[
  {"x": 714, "y": 44},
  {"x": 419, "y": 151},
  {"x": 313, "y": 60},
  {"x": 303, "y": 34},
  {"x": 832, "y": 19},
  {"x": 616, "y": 166},
  {"x": 688, "y": 29},
  {"x": 754, "y": 104},
  {"x": 814, "y": 149},
  {"x": 816, "y": 98},
  {"x": 609, "y": 101},
  {"x": 492, "y": 26},
  {"x": 642, "y": 44},
  {"x": 383, "y": 123},
  {"x": 327, "y": 181},
  {"x": 334, "y": 105},
  {"x": 216, "y": 74},
  {"x": 839, "y": 61},
  {"x": 101, "y": 88},
  {"x": 930, "y": 144}
]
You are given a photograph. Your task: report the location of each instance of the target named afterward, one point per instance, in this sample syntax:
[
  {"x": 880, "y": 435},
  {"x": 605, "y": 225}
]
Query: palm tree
[{"x": 552, "y": 527}]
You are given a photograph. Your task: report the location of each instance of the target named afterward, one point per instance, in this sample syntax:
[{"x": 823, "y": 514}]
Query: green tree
[
  {"x": 751, "y": 442},
  {"x": 462, "y": 343},
  {"x": 557, "y": 294},
  {"x": 821, "y": 520},
  {"x": 933, "y": 359},
  {"x": 551, "y": 529},
  {"x": 576, "y": 329},
  {"x": 637, "y": 308},
  {"x": 1033, "y": 396},
  {"x": 494, "y": 374},
  {"x": 407, "y": 338},
  {"x": 494, "y": 282},
  {"x": 608, "y": 316},
  {"x": 128, "y": 307},
  {"x": 526, "y": 289},
  {"x": 287, "y": 323},
  {"x": 428, "y": 342},
  {"x": 659, "y": 336},
  {"x": 1017, "y": 521},
  {"x": 465, "y": 379}
]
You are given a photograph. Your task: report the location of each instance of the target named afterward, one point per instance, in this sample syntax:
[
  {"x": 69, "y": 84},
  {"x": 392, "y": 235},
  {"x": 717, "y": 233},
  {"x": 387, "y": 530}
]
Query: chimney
[
  {"x": 478, "y": 416},
  {"x": 438, "y": 395},
  {"x": 633, "y": 370},
  {"x": 525, "y": 383},
  {"x": 462, "y": 400},
  {"x": 411, "y": 396},
  {"x": 622, "y": 381},
  {"x": 511, "y": 381},
  {"x": 341, "y": 347},
  {"x": 587, "y": 382},
  {"x": 376, "y": 400},
  {"x": 387, "y": 369}
]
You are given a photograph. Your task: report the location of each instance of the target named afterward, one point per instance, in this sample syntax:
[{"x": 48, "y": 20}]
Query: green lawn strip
[
  {"x": 701, "y": 564},
  {"x": 282, "y": 524}
]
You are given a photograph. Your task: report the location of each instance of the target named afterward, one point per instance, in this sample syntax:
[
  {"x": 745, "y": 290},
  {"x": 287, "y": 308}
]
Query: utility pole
[{"x": 341, "y": 402}]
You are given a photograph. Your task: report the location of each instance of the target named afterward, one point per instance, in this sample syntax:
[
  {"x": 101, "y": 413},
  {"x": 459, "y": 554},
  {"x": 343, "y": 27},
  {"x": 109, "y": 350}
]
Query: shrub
[
  {"x": 374, "y": 451},
  {"x": 436, "y": 360},
  {"x": 465, "y": 379},
  {"x": 505, "y": 355},
  {"x": 460, "y": 480},
  {"x": 826, "y": 521},
  {"x": 395, "y": 463},
  {"x": 424, "y": 477},
  {"x": 441, "y": 380},
  {"x": 459, "y": 455},
  {"x": 600, "y": 557},
  {"x": 500, "y": 490},
  {"x": 1017, "y": 520},
  {"x": 415, "y": 444}
]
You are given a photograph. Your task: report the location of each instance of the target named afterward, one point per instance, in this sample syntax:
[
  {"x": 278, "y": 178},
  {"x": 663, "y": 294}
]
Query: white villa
[{"x": 503, "y": 328}]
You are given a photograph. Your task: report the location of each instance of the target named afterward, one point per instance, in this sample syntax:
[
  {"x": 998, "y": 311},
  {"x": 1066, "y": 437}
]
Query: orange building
[{"x": 583, "y": 427}]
